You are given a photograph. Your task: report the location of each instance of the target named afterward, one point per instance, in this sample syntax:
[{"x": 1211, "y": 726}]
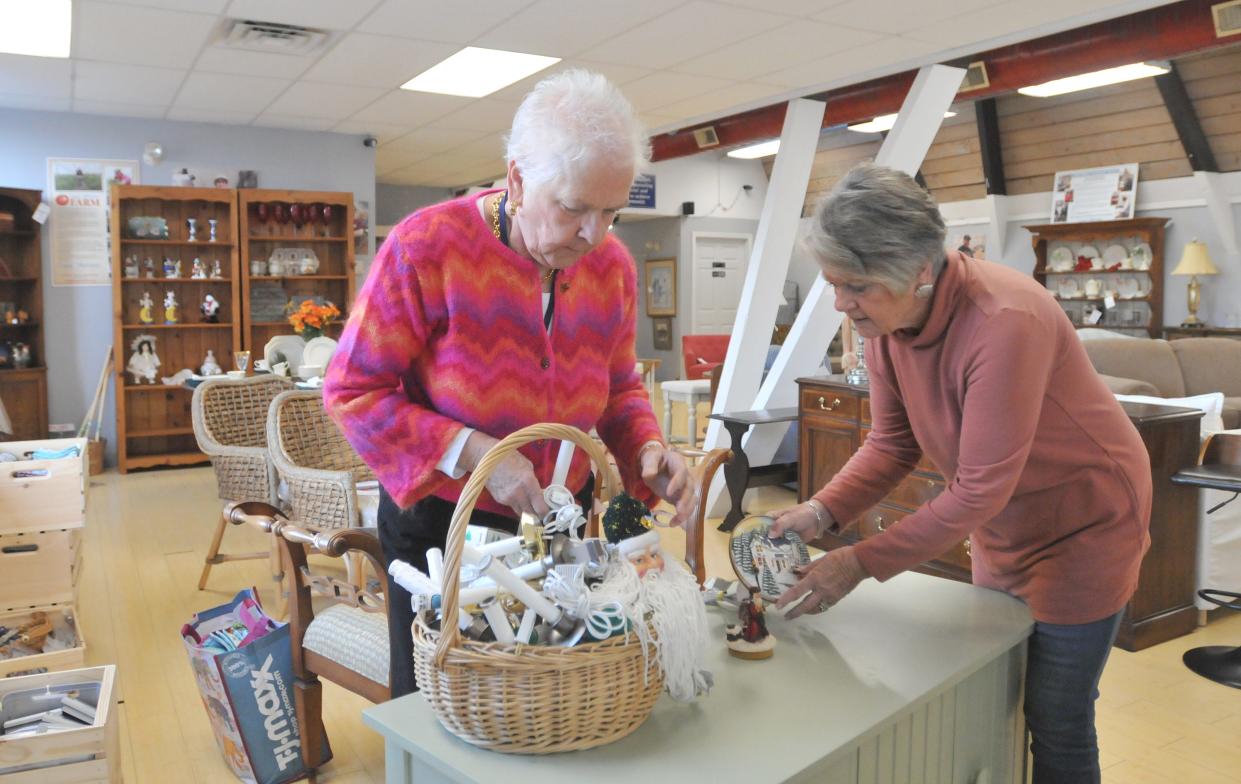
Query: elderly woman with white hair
[
  {"x": 976, "y": 366},
  {"x": 490, "y": 312}
]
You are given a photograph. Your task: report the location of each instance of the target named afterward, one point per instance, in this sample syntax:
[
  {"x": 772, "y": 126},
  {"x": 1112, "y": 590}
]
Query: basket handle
[{"x": 450, "y": 591}]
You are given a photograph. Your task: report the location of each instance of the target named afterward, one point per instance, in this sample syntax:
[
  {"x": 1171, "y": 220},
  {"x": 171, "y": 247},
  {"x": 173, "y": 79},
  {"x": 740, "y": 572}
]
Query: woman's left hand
[
  {"x": 665, "y": 472},
  {"x": 824, "y": 582}
]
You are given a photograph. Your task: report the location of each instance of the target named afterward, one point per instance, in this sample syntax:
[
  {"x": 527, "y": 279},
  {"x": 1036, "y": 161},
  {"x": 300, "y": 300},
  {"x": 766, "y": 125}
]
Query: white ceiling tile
[
  {"x": 201, "y": 6},
  {"x": 327, "y": 14},
  {"x": 490, "y": 149},
  {"x": 426, "y": 141},
  {"x": 902, "y": 16},
  {"x": 410, "y": 108},
  {"x": 386, "y": 162},
  {"x": 733, "y": 98},
  {"x": 218, "y": 116},
  {"x": 616, "y": 74},
  {"x": 790, "y": 7},
  {"x": 231, "y": 92},
  {"x": 118, "y": 108},
  {"x": 1007, "y": 18},
  {"x": 133, "y": 84},
  {"x": 558, "y": 28},
  {"x": 482, "y": 114},
  {"x": 688, "y": 31},
  {"x": 271, "y": 120},
  {"x": 49, "y": 77},
  {"x": 776, "y": 49},
  {"x": 378, "y": 60},
  {"x": 37, "y": 102},
  {"x": 138, "y": 36},
  {"x": 840, "y": 67},
  {"x": 667, "y": 87},
  {"x": 326, "y": 101},
  {"x": 451, "y": 21},
  {"x": 384, "y": 132},
  {"x": 220, "y": 59}
]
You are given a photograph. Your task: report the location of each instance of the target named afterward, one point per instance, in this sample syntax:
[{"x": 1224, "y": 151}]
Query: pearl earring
[{"x": 924, "y": 291}]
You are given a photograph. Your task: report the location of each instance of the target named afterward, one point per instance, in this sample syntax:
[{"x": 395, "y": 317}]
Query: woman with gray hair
[
  {"x": 488, "y": 313},
  {"x": 976, "y": 366}
]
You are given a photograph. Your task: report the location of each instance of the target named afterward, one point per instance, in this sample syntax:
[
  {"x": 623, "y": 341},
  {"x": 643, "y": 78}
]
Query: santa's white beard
[{"x": 677, "y": 613}]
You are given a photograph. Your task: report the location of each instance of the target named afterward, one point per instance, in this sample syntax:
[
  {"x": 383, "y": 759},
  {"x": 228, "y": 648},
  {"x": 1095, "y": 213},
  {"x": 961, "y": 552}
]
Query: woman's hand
[
  {"x": 665, "y": 472},
  {"x": 824, "y": 582},
  {"x": 809, "y": 521},
  {"x": 512, "y": 481}
]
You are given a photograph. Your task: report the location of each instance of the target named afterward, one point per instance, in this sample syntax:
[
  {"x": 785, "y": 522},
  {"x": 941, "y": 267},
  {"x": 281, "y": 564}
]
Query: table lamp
[{"x": 1195, "y": 261}]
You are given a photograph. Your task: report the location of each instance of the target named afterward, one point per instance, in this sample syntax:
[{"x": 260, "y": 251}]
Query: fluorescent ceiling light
[
  {"x": 883, "y": 122},
  {"x": 1087, "y": 81},
  {"x": 475, "y": 72},
  {"x": 40, "y": 29},
  {"x": 760, "y": 150}
]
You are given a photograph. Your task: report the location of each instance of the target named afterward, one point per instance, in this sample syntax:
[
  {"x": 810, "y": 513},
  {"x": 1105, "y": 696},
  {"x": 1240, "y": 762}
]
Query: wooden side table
[{"x": 738, "y": 475}]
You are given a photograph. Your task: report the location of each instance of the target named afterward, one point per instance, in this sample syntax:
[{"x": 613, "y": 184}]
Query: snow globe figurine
[
  {"x": 210, "y": 310},
  {"x": 147, "y": 305},
  {"x": 144, "y": 361},
  {"x": 210, "y": 366},
  {"x": 171, "y": 314},
  {"x": 198, "y": 271}
]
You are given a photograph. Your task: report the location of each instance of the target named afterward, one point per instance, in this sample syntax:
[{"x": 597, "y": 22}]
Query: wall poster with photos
[
  {"x": 1103, "y": 193},
  {"x": 661, "y": 287}
]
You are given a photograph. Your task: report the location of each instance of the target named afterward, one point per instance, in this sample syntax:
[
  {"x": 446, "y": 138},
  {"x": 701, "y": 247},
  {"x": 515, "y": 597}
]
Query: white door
[{"x": 719, "y": 275}]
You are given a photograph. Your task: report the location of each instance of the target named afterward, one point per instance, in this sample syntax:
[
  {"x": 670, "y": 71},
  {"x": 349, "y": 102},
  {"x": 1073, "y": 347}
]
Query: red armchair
[{"x": 702, "y": 353}]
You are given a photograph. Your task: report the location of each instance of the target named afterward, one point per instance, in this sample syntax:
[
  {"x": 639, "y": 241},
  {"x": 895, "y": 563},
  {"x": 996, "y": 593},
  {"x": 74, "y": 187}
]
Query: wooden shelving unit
[
  {"x": 153, "y": 422},
  {"x": 1140, "y": 314},
  {"x": 331, "y": 239},
  {"x": 24, "y": 390}
]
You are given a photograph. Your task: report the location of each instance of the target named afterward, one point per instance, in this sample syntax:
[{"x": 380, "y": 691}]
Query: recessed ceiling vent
[
  {"x": 975, "y": 77},
  {"x": 1227, "y": 18},
  {"x": 273, "y": 37},
  {"x": 706, "y": 137}
]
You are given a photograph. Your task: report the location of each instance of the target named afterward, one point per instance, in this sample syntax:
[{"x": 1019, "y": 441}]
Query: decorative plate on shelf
[
  {"x": 1089, "y": 251},
  {"x": 1061, "y": 259},
  {"x": 1069, "y": 288},
  {"x": 1127, "y": 287},
  {"x": 1142, "y": 256},
  {"x": 765, "y": 562},
  {"x": 1114, "y": 254}
]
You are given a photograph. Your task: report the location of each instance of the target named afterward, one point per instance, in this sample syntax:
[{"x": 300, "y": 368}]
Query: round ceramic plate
[
  {"x": 1114, "y": 254},
  {"x": 318, "y": 351},
  {"x": 284, "y": 348},
  {"x": 1061, "y": 259},
  {"x": 1068, "y": 288},
  {"x": 763, "y": 562},
  {"x": 1089, "y": 251},
  {"x": 1142, "y": 256},
  {"x": 1127, "y": 287}
]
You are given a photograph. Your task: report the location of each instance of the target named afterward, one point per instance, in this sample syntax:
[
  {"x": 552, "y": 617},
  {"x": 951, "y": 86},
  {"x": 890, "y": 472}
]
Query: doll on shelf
[
  {"x": 146, "y": 304},
  {"x": 210, "y": 309},
  {"x": 198, "y": 271},
  {"x": 144, "y": 361},
  {"x": 171, "y": 314}
]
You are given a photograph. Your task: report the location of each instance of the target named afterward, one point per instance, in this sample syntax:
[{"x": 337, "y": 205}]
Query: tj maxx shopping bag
[{"x": 244, "y": 669}]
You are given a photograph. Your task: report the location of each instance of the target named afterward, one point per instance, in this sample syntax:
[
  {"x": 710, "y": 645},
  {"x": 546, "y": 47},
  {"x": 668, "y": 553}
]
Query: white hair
[{"x": 571, "y": 120}]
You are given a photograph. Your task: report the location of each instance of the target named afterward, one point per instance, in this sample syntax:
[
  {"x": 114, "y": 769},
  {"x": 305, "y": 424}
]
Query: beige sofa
[{"x": 1177, "y": 368}]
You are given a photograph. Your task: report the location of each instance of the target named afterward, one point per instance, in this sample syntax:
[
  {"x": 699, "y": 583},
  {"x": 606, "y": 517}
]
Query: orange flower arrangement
[{"x": 310, "y": 318}]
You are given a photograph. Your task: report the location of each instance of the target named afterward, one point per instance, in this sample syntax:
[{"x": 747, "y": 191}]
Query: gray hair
[
  {"x": 571, "y": 120},
  {"x": 878, "y": 224}
]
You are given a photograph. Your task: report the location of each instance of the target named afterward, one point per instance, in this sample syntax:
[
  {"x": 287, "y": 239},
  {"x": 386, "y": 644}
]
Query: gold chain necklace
[{"x": 495, "y": 229}]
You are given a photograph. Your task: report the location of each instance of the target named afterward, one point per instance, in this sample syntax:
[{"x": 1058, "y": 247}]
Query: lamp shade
[{"x": 1195, "y": 260}]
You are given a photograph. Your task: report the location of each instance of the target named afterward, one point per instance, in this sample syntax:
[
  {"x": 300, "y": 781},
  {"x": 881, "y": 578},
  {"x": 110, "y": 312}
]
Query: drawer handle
[
  {"x": 823, "y": 406},
  {"x": 879, "y": 523},
  {"x": 19, "y": 548},
  {"x": 35, "y": 473},
  {"x": 969, "y": 550}
]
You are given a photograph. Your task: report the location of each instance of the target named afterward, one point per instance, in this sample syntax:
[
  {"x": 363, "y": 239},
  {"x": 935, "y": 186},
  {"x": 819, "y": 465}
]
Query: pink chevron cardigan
[{"x": 448, "y": 332}]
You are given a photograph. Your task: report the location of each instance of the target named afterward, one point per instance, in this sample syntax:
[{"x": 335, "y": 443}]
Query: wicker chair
[
  {"x": 317, "y": 464},
  {"x": 230, "y": 423},
  {"x": 345, "y": 642}
]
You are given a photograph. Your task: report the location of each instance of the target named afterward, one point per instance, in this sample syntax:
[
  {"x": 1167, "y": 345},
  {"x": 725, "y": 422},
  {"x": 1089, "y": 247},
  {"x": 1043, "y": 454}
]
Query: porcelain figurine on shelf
[
  {"x": 210, "y": 310},
  {"x": 216, "y": 272},
  {"x": 144, "y": 361},
  {"x": 197, "y": 270},
  {"x": 145, "y": 314},
  {"x": 211, "y": 225},
  {"x": 172, "y": 269},
  {"x": 131, "y": 266},
  {"x": 750, "y": 639},
  {"x": 148, "y": 267},
  {"x": 183, "y": 179},
  {"x": 210, "y": 366},
  {"x": 171, "y": 310},
  {"x": 192, "y": 235},
  {"x": 21, "y": 355}
]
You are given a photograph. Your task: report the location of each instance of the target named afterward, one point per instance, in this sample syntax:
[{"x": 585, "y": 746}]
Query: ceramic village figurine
[
  {"x": 171, "y": 314},
  {"x": 197, "y": 270},
  {"x": 131, "y": 266},
  {"x": 144, "y": 361},
  {"x": 210, "y": 310},
  {"x": 148, "y": 267},
  {"x": 750, "y": 639},
  {"x": 210, "y": 366},
  {"x": 145, "y": 314},
  {"x": 216, "y": 272}
]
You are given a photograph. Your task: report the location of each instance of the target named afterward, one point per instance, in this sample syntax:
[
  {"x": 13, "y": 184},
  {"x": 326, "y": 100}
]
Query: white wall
[
  {"x": 78, "y": 319},
  {"x": 713, "y": 182}
]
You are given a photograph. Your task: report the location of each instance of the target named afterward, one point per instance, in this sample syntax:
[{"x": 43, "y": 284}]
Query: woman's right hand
[
  {"x": 802, "y": 520},
  {"x": 512, "y": 482}
]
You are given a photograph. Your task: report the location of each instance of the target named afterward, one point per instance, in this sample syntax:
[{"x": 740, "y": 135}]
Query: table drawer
[
  {"x": 865, "y": 410},
  {"x": 915, "y": 490},
  {"x": 39, "y": 568},
  {"x": 87, "y": 754},
  {"x": 830, "y": 403},
  {"x": 878, "y": 519}
]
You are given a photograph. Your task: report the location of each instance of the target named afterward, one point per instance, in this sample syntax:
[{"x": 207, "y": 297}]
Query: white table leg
[
  {"x": 692, "y": 404},
  {"x": 668, "y": 415},
  {"x": 398, "y": 765}
]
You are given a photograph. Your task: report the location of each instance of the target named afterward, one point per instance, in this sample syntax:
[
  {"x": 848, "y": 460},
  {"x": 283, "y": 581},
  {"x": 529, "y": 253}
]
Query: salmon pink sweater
[
  {"x": 448, "y": 332},
  {"x": 1045, "y": 472}
]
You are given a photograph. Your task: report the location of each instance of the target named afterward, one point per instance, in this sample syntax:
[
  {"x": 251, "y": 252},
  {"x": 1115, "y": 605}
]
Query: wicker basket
[{"x": 530, "y": 699}]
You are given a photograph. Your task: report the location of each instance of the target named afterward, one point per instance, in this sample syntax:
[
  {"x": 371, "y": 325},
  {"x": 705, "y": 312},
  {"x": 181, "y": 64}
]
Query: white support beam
[
  {"x": 905, "y": 147},
  {"x": 1213, "y": 190}
]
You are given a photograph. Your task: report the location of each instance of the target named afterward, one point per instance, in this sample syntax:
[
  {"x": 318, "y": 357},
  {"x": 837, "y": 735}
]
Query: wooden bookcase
[
  {"x": 153, "y": 424},
  {"x": 262, "y": 232},
  {"x": 1139, "y": 314},
  {"x": 24, "y": 390}
]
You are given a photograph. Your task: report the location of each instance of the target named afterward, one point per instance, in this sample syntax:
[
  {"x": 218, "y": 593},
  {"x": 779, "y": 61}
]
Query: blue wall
[{"x": 78, "y": 319}]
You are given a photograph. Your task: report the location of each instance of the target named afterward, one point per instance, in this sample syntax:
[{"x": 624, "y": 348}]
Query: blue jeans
[{"x": 1062, "y": 684}]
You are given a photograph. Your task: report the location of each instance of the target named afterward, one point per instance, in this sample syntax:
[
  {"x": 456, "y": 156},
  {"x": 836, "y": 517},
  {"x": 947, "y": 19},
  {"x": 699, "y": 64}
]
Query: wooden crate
[
  {"x": 89, "y": 754},
  {"x": 42, "y": 495},
  {"x": 39, "y": 568},
  {"x": 56, "y": 660}
]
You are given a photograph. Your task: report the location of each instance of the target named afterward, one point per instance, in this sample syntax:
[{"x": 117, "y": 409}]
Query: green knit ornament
[{"x": 625, "y": 518}]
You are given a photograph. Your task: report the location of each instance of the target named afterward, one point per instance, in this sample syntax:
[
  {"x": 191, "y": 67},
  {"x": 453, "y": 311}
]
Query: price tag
[
  {"x": 1094, "y": 316},
  {"x": 1109, "y": 301},
  {"x": 41, "y": 212}
]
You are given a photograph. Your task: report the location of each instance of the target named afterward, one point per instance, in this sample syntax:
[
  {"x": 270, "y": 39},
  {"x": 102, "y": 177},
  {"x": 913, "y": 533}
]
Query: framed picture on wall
[
  {"x": 661, "y": 333},
  {"x": 661, "y": 287}
]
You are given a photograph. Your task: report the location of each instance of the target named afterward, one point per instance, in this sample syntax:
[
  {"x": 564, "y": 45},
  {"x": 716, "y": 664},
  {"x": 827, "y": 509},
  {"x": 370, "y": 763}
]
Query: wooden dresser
[{"x": 835, "y": 419}]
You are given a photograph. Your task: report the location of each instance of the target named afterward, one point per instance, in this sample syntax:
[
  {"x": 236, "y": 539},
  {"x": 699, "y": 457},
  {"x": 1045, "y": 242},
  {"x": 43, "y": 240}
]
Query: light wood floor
[{"x": 144, "y": 544}]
